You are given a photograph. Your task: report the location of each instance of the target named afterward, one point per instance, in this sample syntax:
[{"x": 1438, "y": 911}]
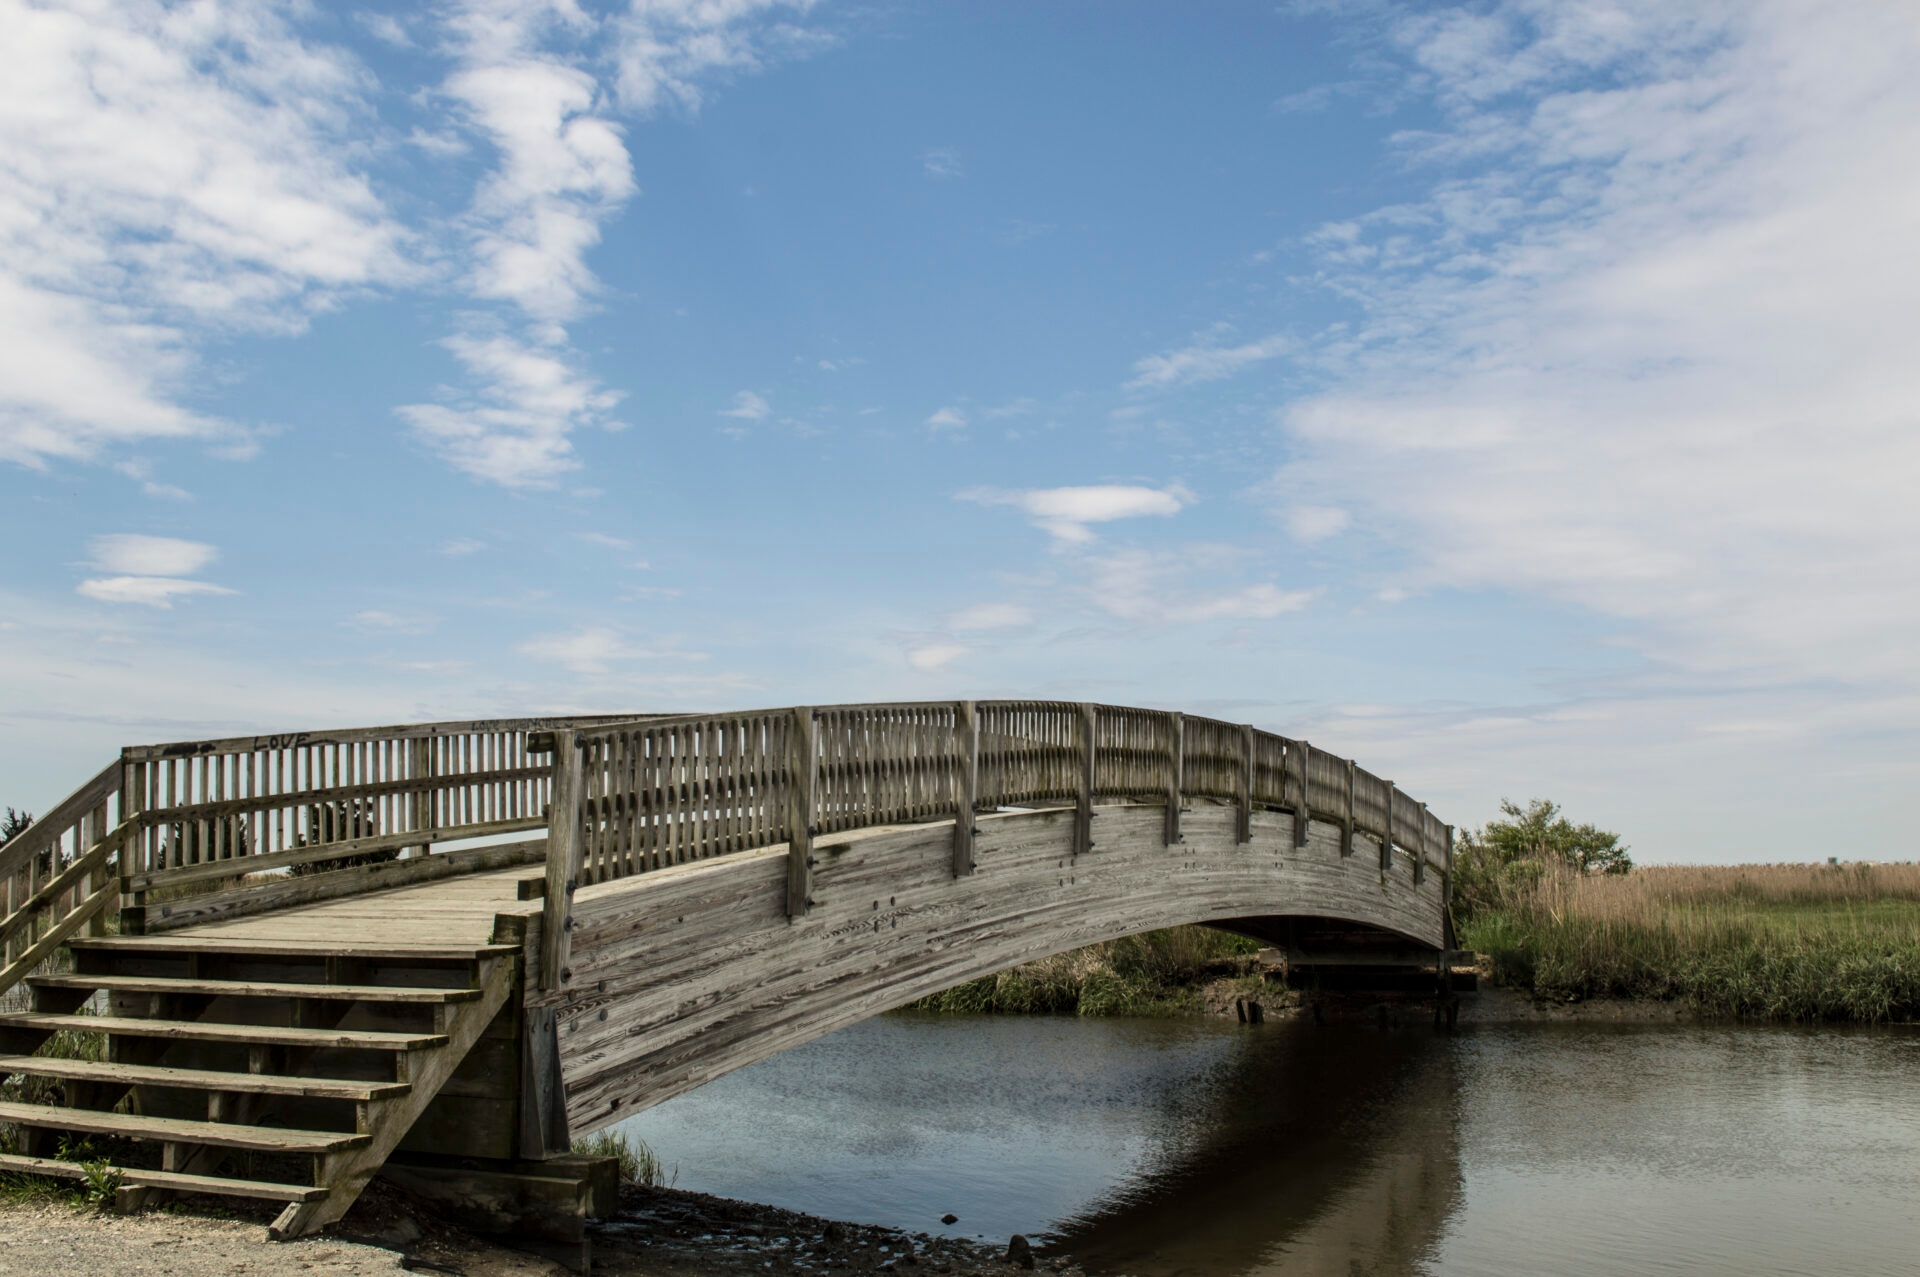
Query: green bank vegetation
[
  {"x": 1157, "y": 973},
  {"x": 639, "y": 1164},
  {"x": 1562, "y": 913}
]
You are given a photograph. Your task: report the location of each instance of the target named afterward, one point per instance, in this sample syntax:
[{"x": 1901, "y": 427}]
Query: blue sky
[{"x": 1518, "y": 396}]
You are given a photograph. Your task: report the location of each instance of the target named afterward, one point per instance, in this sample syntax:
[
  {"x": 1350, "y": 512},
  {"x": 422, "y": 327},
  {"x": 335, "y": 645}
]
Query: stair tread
[
  {"x": 191, "y": 943},
  {"x": 200, "y": 1079},
  {"x": 213, "y": 1031},
  {"x": 135, "y": 1177},
  {"x": 269, "y": 1139},
  {"x": 253, "y": 988}
]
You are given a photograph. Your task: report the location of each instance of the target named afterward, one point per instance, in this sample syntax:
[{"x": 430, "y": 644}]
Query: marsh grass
[
  {"x": 1157, "y": 973},
  {"x": 1773, "y": 942},
  {"x": 639, "y": 1164}
]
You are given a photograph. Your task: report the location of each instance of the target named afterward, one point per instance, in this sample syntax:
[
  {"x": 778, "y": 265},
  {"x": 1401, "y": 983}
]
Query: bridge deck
[{"x": 452, "y": 911}]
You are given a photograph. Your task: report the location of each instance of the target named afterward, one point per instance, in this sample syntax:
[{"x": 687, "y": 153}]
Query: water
[{"x": 1157, "y": 1148}]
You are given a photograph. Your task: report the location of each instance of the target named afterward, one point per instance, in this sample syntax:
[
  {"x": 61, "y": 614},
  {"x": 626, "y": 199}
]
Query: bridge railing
[
  {"x": 637, "y": 796},
  {"x": 176, "y": 833}
]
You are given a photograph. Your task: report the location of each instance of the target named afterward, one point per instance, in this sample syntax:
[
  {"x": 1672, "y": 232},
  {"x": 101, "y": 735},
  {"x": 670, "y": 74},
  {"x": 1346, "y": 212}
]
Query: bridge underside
[{"x": 680, "y": 976}]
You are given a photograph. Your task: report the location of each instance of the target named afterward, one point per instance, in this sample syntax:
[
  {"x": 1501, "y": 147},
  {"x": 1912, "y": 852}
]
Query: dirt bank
[{"x": 658, "y": 1233}]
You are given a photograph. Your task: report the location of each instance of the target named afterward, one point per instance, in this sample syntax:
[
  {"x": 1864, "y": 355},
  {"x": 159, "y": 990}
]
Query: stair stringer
[{"x": 346, "y": 1173}]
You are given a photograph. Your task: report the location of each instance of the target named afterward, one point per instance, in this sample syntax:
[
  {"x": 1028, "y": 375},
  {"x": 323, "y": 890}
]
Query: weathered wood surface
[{"x": 682, "y": 975}]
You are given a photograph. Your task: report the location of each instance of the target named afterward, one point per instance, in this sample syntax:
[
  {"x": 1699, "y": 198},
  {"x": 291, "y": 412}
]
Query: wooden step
[
  {"x": 253, "y": 988},
  {"x": 135, "y": 1178},
  {"x": 322, "y": 1088},
  {"x": 189, "y": 943},
  {"x": 259, "y": 1139},
  {"x": 209, "y": 1031}
]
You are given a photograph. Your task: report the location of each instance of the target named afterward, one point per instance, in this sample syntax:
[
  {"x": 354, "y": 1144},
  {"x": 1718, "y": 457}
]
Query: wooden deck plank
[
  {"x": 199, "y": 1079},
  {"x": 259, "y": 1139},
  {"x": 166, "y": 1179},
  {"x": 203, "y": 1031},
  {"x": 451, "y": 911},
  {"x": 254, "y": 988}
]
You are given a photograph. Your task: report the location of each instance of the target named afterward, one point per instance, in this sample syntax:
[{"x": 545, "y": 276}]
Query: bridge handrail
[
  {"x": 642, "y": 795},
  {"x": 172, "y": 814}
]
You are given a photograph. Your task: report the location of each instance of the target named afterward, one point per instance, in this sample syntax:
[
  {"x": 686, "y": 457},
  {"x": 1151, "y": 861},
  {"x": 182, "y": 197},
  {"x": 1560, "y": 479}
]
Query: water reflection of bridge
[
  {"x": 481, "y": 940},
  {"x": 1324, "y": 1152}
]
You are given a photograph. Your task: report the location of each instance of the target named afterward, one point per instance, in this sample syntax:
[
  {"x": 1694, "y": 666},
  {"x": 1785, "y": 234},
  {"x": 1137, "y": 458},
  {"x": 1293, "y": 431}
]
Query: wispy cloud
[
  {"x": 151, "y": 570},
  {"x": 748, "y": 406},
  {"x": 1643, "y": 347},
  {"x": 990, "y": 616},
  {"x": 946, "y": 419},
  {"x": 942, "y": 164},
  {"x": 933, "y": 656},
  {"x": 1203, "y": 361},
  {"x": 1065, "y": 513},
  {"x": 594, "y": 649}
]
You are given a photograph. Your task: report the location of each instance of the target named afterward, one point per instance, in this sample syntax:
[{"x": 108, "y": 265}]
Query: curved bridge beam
[{"x": 680, "y": 975}]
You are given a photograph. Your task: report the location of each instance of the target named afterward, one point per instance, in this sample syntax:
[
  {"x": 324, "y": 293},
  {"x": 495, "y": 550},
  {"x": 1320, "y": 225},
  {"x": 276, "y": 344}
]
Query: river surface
[{"x": 1157, "y": 1147}]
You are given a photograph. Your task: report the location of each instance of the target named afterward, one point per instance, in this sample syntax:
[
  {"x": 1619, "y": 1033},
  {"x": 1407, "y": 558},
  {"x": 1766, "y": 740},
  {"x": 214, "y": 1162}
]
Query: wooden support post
[
  {"x": 1386, "y": 839},
  {"x": 1243, "y": 827},
  {"x": 1176, "y": 775},
  {"x": 1083, "y": 803},
  {"x": 1304, "y": 812},
  {"x": 966, "y": 745},
  {"x": 95, "y": 828},
  {"x": 564, "y": 848},
  {"x": 804, "y": 764},
  {"x": 1346, "y": 833}
]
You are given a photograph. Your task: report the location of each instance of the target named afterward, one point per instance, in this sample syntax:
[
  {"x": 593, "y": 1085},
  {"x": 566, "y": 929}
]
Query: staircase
[{"x": 278, "y": 1070}]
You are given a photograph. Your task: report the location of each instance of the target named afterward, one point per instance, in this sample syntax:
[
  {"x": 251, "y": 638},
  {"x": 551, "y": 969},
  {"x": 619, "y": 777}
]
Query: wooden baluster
[
  {"x": 1304, "y": 812},
  {"x": 1420, "y": 856}
]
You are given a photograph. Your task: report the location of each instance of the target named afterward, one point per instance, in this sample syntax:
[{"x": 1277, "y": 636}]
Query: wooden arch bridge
[{"x": 320, "y": 956}]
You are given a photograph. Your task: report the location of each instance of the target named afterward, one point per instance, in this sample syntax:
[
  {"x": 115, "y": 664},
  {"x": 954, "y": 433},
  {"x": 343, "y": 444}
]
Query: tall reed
[{"x": 1785, "y": 942}]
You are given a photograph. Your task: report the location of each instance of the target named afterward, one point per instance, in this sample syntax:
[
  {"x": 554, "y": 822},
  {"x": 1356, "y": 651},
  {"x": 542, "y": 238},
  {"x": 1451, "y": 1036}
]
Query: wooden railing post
[
  {"x": 421, "y": 751},
  {"x": 1083, "y": 805},
  {"x": 1346, "y": 836},
  {"x": 966, "y": 789},
  {"x": 1304, "y": 812},
  {"x": 1420, "y": 858},
  {"x": 1386, "y": 839},
  {"x": 1243, "y": 826},
  {"x": 1176, "y": 775},
  {"x": 804, "y": 765},
  {"x": 133, "y": 796},
  {"x": 564, "y": 846},
  {"x": 95, "y": 827}
]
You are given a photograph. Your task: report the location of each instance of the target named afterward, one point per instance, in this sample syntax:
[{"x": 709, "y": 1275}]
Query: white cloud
[
  {"x": 460, "y": 546},
  {"x": 748, "y": 406},
  {"x": 934, "y": 655},
  {"x": 1647, "y": 346},
  {"x": 593, "y": 649},
  {"x": 151, "y": 591},
  {"x": 138, "y": 555},
  {"x": 666, "y": 48},
  {"x": 602, "y": 538},
  {"x": 1064, "y": 513},
  {"x": 1204, "y": 361},
  {"x": 374, "y": 621},
  {"x": 946, "y": 419},
  {"x": 1316, "y": 522},
  {"x": 990, "y": 616},
  {"x": 942, "y": 163},
  {"x": 514, "y": 431},
  {"x": 165, "y": 172},
  {"x": 1255, "y": 602}
]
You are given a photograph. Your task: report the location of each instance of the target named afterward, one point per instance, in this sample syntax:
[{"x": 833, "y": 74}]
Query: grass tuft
[{"x": 639, "y": 1164}]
